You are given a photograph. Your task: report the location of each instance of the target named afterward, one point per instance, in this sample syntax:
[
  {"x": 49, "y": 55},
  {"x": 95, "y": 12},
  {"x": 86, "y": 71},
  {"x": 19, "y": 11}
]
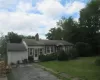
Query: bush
[
  {"x": 12, "y": 63},
  {"x": 42, "y": 57},
  {"x": 48, "y": 57},
  {"x": 62, "y": 55},
  {"x": 72, "y": 54},
  {"x": 83, "y": 49},
  {"x": 30, "y": 59},
  {"x": 97, "y": 62},
  {"x": 25, "y": 61}
]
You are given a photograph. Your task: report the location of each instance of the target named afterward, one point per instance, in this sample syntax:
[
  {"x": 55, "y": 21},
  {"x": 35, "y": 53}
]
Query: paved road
[{"x": 31, "y": 72}]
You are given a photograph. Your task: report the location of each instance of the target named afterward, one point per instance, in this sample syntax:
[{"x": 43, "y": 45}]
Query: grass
[{"x": 83, "y": 67}]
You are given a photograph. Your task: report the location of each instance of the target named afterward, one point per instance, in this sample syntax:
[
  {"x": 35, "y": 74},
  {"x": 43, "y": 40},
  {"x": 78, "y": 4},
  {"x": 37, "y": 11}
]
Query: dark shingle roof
[
  {"x": 32, "y": 42},
  {"x": 16, "y": 47}
]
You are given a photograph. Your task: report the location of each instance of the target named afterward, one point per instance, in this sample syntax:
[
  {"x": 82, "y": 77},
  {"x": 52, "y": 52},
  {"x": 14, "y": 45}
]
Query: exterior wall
[
  {"x": 13, "y": 56},
  {"x": 34, "y": 53},
  {"x": 38, "y": 47}
]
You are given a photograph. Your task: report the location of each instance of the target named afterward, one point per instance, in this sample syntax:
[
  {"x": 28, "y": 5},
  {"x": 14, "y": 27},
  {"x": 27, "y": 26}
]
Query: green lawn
[{"x": 82, "y": 67}]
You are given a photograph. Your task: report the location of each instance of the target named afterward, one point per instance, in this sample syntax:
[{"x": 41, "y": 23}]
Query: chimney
[{"x": 37, "y": 37}]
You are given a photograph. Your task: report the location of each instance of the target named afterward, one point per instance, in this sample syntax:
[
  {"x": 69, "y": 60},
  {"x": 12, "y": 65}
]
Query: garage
[{"x": 16, "y": 52}]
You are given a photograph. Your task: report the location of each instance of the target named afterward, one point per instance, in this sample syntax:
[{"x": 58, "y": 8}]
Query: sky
[{"x": 28, "y": 17}]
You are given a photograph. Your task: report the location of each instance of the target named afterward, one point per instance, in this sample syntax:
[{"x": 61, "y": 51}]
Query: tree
[
  {"x": 90, "y": 24},
  {"x": 3, "y": 47},
  {"x": 69, "y": 28},
  {"x": 87, "y": 30},
  {"x": 54, "y": 34},
  {"x": 13, "y": 37}
]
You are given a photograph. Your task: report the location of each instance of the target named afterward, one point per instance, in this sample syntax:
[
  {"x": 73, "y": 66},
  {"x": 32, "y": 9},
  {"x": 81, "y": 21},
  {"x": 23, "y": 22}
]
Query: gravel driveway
[{"x": 31, "y": 72}]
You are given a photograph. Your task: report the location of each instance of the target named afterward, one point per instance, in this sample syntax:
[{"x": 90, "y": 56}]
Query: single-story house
[{"x": 33, "y": 48}]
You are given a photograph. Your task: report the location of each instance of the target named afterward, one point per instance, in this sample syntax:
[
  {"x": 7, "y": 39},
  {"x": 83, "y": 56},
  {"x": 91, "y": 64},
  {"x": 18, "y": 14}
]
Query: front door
[{"x": 35, "y": 54}]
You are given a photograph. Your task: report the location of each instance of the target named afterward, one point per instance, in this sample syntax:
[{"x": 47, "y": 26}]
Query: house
[{"x": 32, "y": 48}]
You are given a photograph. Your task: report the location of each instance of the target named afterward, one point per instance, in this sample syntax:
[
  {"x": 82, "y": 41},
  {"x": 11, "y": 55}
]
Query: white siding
[{"x": 13, "y": 57}]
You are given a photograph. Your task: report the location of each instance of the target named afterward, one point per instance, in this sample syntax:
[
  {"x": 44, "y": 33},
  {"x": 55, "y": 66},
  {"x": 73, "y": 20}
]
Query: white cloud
[
  {"x": 24, "y": 6},
  {"x": 26, "y": 23},
  {"x": 23, "y": 23},
  {"x": 74, "y": 7},
  {"x": 51, "y": 8}
]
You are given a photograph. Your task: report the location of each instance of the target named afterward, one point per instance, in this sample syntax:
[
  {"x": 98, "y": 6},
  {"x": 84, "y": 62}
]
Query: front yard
[{"x": 82, "y": 68}]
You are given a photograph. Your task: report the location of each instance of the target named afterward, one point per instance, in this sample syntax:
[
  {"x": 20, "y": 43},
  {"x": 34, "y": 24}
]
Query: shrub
[
  {"x": 97, "y": 62},
  {"x": 25, "y": 61},
  {"x": 30, "y": 59},
  {"x": 72, "y": 54},
  {"x": 48, "y": 57},
  {"x": 62, "y": 55},
  {"x": 83, "y": 49},
  {"x": 42, "y": 57},
  {"x": 12, "y": 63}
]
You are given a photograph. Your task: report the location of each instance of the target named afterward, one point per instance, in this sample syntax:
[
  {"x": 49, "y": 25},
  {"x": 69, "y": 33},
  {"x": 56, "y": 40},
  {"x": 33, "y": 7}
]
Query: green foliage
[
  {"x": 82, "y": 67},
  {"x": 72, "y": 54},
  {"x": 83, "y": 49},
  {"x": 3, "y": 47},
  {"x": 25, "y": 61},
  {"x": 54, "y": 34},
  {"x": 62, "y": 55},
  {"x": 90, "y": 24},
  {"x": 97, "y": 62},
  {"x": 48, "y": 57},
  {"x": 86, "y": 30},
  {"x": 15, "y": 38},
  {"x": 30, "y": 59}
]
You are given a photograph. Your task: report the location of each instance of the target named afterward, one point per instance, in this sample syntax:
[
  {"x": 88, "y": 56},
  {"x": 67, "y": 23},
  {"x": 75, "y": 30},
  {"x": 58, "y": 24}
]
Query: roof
[
  {"x": 32, "y": 42},
  {"x": 16, "y": 47}
]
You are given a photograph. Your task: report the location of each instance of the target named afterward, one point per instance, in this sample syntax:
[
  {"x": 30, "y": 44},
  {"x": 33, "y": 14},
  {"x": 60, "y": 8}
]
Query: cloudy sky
[{"x": 29, "y": 17}]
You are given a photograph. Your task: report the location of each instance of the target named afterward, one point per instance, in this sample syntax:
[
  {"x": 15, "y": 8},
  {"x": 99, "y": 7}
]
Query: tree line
[
  {"x": 86, "y": 30},
  {"x": 11, "y": 37}
]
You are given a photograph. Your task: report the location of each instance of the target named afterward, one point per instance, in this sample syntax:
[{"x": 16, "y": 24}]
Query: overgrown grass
[{"x": 83, "y": 67}]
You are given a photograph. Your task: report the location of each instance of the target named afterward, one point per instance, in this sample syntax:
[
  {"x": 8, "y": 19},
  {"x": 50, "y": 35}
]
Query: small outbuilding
[{"x": 16, "y": 52}]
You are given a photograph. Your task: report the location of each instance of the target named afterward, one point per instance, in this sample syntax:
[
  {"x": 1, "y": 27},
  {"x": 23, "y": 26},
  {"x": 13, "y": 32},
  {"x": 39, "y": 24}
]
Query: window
[
  {"x": 41, "y": 51},
  {"x": 51, "y": 48},
  {"x": 48, "y": 49},
  {"x": 36, "y": 51}
]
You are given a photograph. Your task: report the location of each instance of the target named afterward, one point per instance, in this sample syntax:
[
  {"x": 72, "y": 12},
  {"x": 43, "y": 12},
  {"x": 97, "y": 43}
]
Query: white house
[{"x": 32, "y": 48}]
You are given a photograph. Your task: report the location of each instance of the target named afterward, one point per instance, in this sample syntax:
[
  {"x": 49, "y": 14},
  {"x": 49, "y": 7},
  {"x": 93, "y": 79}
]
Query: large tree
[
  {"x": 54, "y": 34},
  {"x": 67, "y": 30},
  {"x": 3, "y": 46},
  {"x": 90, "y": 23},
  {"x": 15, "y": 38}
]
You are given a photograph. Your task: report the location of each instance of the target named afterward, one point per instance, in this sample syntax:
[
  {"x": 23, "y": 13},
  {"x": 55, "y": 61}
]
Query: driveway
[{"x": 31, "y": 72}]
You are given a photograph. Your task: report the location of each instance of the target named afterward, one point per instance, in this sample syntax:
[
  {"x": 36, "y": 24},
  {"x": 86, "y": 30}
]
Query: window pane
[
  {"x": 48, "y": 49},
  {"x": 41, "y": 51},
  {"x": 52, "y": 49},
  {"x": 35, "y": 50}
]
